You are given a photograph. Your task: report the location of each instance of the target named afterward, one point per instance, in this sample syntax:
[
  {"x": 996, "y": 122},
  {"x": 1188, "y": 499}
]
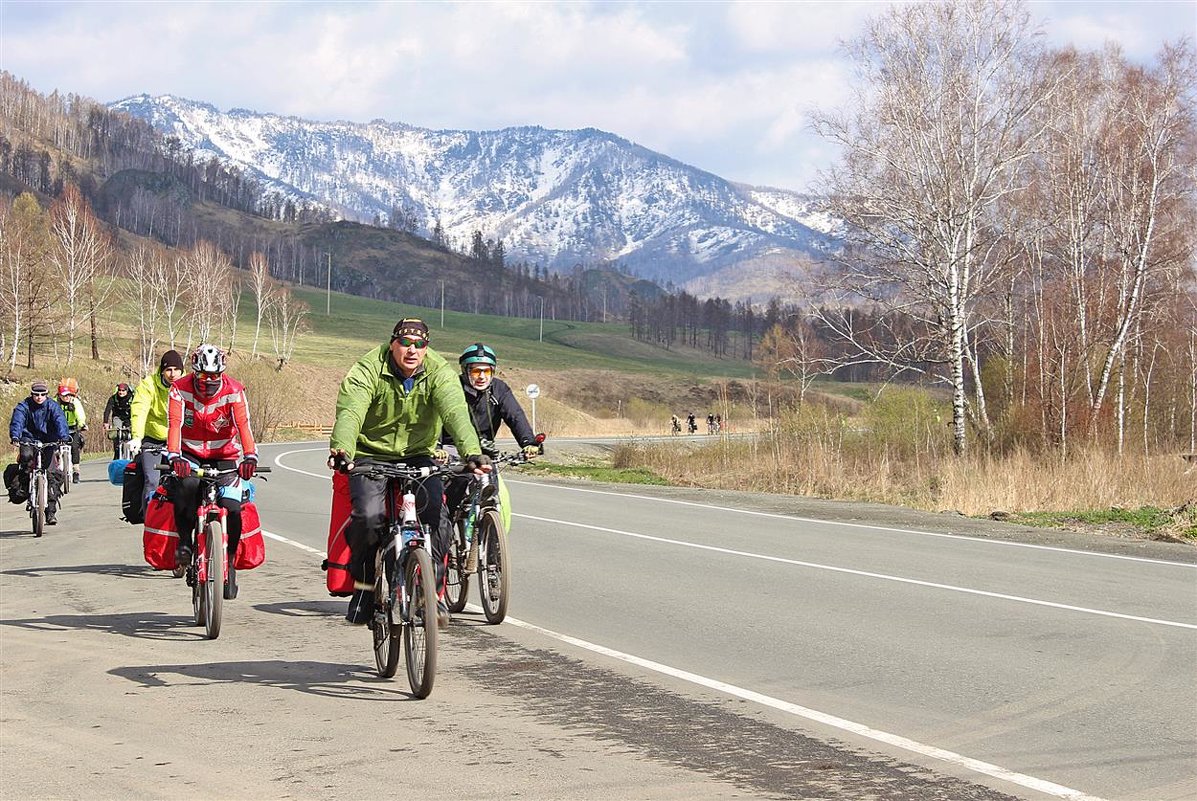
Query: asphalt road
[{"x": 663, "y": 643}]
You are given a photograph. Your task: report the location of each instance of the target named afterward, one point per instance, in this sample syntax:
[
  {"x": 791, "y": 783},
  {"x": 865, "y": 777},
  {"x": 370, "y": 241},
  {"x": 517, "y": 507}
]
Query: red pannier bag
[
  {"x": 336, "y": 566},
  {"x": 161, "y": 537},
  {"x": 251, "y": 551}
]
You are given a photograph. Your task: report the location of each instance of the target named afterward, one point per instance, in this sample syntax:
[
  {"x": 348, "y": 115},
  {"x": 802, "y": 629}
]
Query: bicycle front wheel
[
  {"x": 38, "y": 490},
  {"x": 419, "y": 629},
  {"x": 493, "y": 564},
  {"x": 457, "y": 580},
  {"x": 213, "y": 584}
]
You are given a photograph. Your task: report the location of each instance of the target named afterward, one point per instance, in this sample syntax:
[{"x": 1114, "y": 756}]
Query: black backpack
[{"x": 133, "y": 492}]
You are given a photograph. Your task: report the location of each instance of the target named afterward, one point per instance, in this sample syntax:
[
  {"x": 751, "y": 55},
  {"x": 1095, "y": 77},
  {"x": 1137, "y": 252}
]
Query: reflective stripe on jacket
[{"x": 209, "y": 429}]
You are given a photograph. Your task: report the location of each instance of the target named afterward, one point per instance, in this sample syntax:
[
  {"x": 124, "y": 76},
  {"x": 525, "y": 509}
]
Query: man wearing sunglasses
[
  {"x": 390, "y": 408},
  {"x": 491, "y": 403},
  {"x": 40, "y": 419}
]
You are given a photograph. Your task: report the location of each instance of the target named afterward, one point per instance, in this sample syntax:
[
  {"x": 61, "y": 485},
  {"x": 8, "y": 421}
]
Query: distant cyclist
[
  {"x": 148, "y": 418},
  {"x": 37, "y": 418},
  {"x": 117, "y": 414},
  {"x": 76, "y": 417}
]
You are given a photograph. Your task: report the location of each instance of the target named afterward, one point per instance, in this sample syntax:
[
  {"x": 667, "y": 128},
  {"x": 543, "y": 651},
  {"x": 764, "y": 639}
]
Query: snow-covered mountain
[{"x": 557, "y": 198}]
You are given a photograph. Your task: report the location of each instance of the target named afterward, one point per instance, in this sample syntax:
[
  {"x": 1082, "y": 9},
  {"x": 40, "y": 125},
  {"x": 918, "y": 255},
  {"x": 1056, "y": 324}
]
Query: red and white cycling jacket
[{"x": 209, "y": 429}]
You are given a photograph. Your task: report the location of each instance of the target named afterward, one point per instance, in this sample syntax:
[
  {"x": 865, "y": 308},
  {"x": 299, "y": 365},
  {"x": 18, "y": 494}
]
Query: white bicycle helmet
[{"x": 207, "y": 359}]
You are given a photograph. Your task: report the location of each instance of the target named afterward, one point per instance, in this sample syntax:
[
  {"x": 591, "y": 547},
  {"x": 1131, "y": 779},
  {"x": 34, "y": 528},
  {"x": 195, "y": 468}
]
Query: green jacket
[
  {"x": 149, "y": 408},
  {"x": 75, "y": 416},
  {"x": 377, "y": 417}
]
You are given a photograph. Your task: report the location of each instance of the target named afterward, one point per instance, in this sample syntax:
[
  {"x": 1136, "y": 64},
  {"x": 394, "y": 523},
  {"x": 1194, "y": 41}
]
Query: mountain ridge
[{"x": 556, "y": 198}]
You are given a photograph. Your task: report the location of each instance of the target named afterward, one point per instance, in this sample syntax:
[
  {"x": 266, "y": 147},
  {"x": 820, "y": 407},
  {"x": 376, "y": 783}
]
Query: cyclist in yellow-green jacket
[
  {"x": 148, "y": 423},
  {"x": 390, "y": 409}
]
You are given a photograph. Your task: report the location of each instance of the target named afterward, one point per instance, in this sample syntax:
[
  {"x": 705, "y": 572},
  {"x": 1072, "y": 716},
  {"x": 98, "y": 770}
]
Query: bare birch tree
[
  {"x": 79, "y": 254},
  {"x": 286, "y": 319},
  {"x": 259, "y": 284},
  {"x": 930, "y": 151},
  {"x": 25, "y": 290}
]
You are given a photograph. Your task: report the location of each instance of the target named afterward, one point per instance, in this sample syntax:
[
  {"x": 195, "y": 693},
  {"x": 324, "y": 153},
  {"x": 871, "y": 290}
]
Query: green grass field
[{"x": 356, "y": 324}]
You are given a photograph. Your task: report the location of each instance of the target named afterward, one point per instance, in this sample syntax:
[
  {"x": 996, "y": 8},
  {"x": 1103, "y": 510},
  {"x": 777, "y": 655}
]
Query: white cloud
[{"x": 725, "y": 86}]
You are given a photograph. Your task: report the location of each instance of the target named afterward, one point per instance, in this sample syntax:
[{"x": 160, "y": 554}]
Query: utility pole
[
  {"x": 442, "y": 303},
  {"x": 328, "y": 288},
  {"x": 542, "y": 318}
]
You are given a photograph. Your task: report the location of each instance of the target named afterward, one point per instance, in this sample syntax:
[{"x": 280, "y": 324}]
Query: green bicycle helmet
[{"x": 477, "y": 354}]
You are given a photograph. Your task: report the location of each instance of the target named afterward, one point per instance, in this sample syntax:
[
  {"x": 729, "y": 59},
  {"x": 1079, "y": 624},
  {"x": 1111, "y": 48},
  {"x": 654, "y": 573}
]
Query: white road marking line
[
  {"x": 792, "y": 518},
  {"x": 968, "y": 763},
  {"x": 298, "y": 545},
  {"x": 865, "y": 573},
  {"x": 975, "y": 765}
]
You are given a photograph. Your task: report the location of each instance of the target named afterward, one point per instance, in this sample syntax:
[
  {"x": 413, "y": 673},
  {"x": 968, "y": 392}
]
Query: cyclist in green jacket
[
  {"x": 390, "y": 408},
  {"x": 148, "y": 423}
]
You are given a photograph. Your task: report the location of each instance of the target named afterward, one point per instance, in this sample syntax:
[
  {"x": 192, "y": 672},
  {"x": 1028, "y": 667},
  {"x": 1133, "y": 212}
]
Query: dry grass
[{"x": 829, "y": 464}]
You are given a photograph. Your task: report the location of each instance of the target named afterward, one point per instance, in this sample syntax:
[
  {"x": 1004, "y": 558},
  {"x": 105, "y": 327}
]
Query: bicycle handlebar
[
  {"x": 401, "y": 470},
  {"x": 210, "y": 472}
]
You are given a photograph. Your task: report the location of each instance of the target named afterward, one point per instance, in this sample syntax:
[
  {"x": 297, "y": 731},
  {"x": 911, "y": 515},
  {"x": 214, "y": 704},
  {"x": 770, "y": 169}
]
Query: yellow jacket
[{"x": 149, "y": 408}]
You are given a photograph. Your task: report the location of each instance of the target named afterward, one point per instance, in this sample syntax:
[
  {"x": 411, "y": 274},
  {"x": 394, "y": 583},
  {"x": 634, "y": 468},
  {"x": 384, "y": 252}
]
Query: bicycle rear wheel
[
  {"x": 457, "y": 580},
  {"x": 387, "y": 643},
  {"x": 213, "y": 584},
  {"x": 38, "y": 490},
  {"x": 65, "y": 467},
  {"x": 493, "y": 578},
  {"x": 419, "y": 630}
]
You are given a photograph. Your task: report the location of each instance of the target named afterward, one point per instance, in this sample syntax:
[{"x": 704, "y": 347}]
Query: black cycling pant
[
  {"x": 368, "y": 520},
  {"x": 76, "y": 446}
]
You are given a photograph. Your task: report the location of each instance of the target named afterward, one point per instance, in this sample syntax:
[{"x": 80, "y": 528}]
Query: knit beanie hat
[{"x": 170, "y": 359}]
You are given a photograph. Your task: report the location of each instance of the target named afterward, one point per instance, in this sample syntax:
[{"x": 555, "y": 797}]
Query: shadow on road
[
  {"x": 331, "y": 607},
  {"x": 354, "y": 682},
  {"x": 119, "y": 570},
  {"x": 144, "y": 625}
]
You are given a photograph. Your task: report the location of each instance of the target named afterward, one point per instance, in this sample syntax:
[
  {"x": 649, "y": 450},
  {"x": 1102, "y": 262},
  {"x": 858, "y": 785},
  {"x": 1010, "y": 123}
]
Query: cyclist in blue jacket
[{"x": 39, "y": 418}]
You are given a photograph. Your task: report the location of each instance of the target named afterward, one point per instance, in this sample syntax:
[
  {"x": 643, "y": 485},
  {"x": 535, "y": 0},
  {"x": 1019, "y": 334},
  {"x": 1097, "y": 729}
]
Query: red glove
[
  {"x": 180, "y": 467},
  {"x": 248, "y": 468}
]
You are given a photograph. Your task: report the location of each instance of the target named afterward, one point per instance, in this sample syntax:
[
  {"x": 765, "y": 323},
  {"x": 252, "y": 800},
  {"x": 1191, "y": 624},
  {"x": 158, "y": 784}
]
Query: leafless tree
[
  {"x": 80, "y": 251},
  {"x": 24, "y": 286},
  {"x": 259, "y": 284},
  {"x": 286, "y": 318},
  {"x": 931, "y": 149}
]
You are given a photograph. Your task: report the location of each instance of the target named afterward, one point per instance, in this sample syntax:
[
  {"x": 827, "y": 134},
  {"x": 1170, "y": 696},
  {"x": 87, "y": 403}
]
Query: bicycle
[
  {"x": 209, "y": 557},
  {"x": 478, "y": 545},
  {"x": 121, "y": 434},
  {"x": 404, "y": 580},
  {"x": 37, "y": 471}
]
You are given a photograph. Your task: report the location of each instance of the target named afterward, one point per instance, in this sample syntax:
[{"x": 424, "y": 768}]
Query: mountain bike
[
  {"x": 404, "y": 580},
  {"x": 38, "y": 477},
  {"x": 478, "y": 545},
  {"x": 208, "y": 572}
]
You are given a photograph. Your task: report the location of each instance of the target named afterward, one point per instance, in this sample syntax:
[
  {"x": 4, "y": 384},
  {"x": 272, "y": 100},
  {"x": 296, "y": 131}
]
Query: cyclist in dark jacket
[
  {"x": 39, "y": 418},
  {"x": 491, "y": 403},
  {"x": 118, "y": 414}
]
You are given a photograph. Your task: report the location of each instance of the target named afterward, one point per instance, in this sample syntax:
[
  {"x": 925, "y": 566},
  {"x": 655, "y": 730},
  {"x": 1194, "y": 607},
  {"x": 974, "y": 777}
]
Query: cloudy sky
[{"x": 724, "y": 86}]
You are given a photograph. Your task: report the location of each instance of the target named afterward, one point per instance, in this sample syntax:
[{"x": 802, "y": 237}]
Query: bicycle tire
[
  {"x": 493, "y": 566},
  {"x": 66, "y": 468},
  {"x": 457, "y": 580},
  {"x": 197, "y": 602},
  {"x": 213, "y": 589},
  {"x": 38, "y": 489},
  {"x": 419, "y": 627},
  {"x": 387, "y": 642}
]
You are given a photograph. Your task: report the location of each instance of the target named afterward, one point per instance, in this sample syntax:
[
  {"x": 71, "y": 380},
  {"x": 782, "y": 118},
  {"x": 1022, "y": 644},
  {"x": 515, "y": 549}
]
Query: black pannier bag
[
  {"x": 132, "y": 492},
  {"x": 14, "y": 483}
]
